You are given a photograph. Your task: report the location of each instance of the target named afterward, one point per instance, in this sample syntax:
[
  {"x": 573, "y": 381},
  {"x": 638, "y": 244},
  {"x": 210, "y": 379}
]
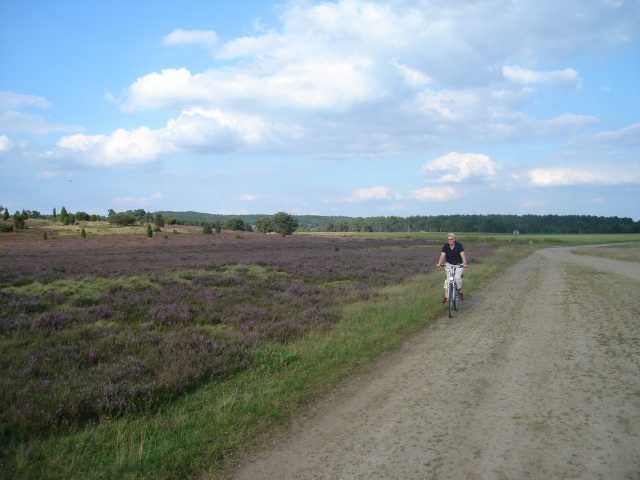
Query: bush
[
  {"x": 5, "y": 227},
  {"x": 207, "y": 229},
  {"x": 236, "y": 224},
  {"x": 18, "y": 221},
  {"x": 83, "y": 233},
  {"x": 149, "y": 230}
]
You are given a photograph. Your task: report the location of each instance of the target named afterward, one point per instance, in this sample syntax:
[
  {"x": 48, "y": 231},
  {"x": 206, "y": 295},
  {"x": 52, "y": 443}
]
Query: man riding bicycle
[{"x": 453, "y": 254}]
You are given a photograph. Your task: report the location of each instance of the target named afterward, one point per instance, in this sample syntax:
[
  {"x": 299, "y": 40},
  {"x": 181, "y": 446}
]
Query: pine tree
[
  {"x": 5, "y": 215},
  {"x": 149, "y": 230},
  {"x": 83, "y": 233}
]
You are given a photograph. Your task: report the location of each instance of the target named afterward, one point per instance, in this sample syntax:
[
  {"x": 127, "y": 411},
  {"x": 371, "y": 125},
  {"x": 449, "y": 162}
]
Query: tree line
[
  {"x": 544, "y": 224},
  {"x": 284, "y": 223}
]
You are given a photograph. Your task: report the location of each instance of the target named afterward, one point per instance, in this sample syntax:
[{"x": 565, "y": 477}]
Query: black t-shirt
[{"x": 453, "y": 254}]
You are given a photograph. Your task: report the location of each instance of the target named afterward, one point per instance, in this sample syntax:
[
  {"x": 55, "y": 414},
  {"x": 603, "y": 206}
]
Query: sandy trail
[{"x": 537, "y": 377}]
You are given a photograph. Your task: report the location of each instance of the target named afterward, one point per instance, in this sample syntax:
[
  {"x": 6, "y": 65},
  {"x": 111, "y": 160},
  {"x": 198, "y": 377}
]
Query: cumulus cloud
[
  {"x": 194, "y": 37},
  {"x": 336, "y": 69},
  {"x": 572, "y": 175},
  {"x": 364, "y": 78},
  {"x": 122, "y": 147},
  {"x": 372, "y": 193},
  {"x": 566, "y": 78},
  {"x": 5, "y": 143},
  {"x": 435, "y": 194},
  {"x": 313, "y": 84},
  {"x": 459, "y": 167},
  {"x": 195, "y": 130}
]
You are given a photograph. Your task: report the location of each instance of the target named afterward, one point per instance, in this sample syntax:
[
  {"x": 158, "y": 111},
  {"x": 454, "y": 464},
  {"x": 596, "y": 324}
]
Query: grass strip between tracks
[{"x": 201, "y": 434}]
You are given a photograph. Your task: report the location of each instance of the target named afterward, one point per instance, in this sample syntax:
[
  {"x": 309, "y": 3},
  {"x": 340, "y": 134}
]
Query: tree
[
  {"x": 264, "y": 225},
  {"x": 149, "y": 230},
  {"x": 83, "y": 233},
  {"x": 207, "y": 228},
  {"x": 54, "y": 213},
  {"x": 63, "y": 216},
  {"x": 5, "y": 215},
  {"x": 159, "y": 220},
  {"x": 218, "y": 226},
  {"x": 284, "y": 224},
  {"x": 84, "y": 216}
]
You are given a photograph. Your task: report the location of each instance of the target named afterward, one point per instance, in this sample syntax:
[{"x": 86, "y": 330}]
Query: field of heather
[{"x": 107, "y": 325}]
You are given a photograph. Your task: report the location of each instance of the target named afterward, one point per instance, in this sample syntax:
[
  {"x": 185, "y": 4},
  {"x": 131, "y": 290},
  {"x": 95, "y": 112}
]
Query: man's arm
[
  {"x": 464, "y": 259},
  {"x": 441, "y": 259}
]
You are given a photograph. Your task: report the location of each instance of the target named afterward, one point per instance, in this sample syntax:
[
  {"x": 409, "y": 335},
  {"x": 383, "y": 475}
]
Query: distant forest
[{"x": 438, "y": 223}]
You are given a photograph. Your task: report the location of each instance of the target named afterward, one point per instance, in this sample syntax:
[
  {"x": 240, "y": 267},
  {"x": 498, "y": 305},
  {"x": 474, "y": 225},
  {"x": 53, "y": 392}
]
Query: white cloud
[
  {"x": 248, "y": 197},
  {"x": 337, "y": 69},
  {"x": 312, "y": 84},
  {"x": 15, "y": 121},
  {"x": 122, "y": 147},
  {"x": 195, "y": 130},
  {"x": 5, "y": 143},
  {"x": 413, "y": 77},
  {"x": 195, "y": 37},
  {"x": 138, "y": 201},
  {"x": 46, "y": 174},
  {"x": 250, "y": 46},
  {"x": 459, "y": 167},
  {"x": 14, "y": 100},
  {"x": 566, "y": 78},
  {"x": 628, "y": 137},
  {"x": 435, "y": 194},
  {"x": 372, "y": 193},
  {"x": 581, "y": 175}
]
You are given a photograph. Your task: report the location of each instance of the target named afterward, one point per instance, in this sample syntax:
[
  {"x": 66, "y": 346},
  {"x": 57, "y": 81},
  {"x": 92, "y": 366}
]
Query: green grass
[
  {"x": 202, "y": 432},
  {"x": 550, "y": 239},
  {"x": 105, "y": 228},
  {"x": 628, "y": 252}
]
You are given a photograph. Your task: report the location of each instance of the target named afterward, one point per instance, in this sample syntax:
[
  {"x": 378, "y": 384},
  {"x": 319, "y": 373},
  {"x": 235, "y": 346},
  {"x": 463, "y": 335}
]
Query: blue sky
[{"x": 351, "y": 107}]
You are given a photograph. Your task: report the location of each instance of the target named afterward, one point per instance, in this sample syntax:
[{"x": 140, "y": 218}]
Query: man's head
[{"x": 451, "y": 237}]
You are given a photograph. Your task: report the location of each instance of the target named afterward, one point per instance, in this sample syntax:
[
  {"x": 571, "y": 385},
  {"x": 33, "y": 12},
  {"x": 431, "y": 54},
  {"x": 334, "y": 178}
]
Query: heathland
[{"x": 128, "y": 356}]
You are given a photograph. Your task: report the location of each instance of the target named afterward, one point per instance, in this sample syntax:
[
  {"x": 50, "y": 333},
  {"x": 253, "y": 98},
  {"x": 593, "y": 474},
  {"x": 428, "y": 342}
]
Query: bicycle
[{"x": 452, "y": 289}]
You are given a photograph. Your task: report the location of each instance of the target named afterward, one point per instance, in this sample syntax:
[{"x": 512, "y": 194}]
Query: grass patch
[
  {"x": 627, "y": 252},
  {"x": 200, "y": 433}
]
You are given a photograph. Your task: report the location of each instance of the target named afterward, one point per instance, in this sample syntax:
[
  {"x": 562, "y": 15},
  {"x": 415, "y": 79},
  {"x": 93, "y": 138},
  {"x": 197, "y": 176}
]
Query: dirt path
[{"x": 545, "y": 387}]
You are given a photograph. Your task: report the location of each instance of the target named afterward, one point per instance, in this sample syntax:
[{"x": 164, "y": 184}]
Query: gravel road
[{"x": 538, "y": 376}]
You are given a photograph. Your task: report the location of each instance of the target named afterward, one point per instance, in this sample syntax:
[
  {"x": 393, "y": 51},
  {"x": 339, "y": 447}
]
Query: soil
[{"x": 537, "y": 376}]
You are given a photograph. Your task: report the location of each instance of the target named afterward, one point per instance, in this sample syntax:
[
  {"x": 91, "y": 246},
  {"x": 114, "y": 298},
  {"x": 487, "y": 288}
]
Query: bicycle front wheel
[
  {"x": 451, "y": 299},
  {"x": 456, "y": 299}
]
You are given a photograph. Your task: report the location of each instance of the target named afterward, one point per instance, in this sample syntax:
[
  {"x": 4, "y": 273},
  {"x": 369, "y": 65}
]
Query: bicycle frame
[{"x": 452, "y": 287}]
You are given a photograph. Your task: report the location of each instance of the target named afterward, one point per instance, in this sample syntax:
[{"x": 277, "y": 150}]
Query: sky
[{"x": 348, "y": 107}]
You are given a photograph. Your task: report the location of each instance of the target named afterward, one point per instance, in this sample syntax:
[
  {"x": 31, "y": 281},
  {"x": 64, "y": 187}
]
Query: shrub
[
  {"x": 5, "y": 227},
  {"x": 207, "y": 229},
  {"x": 149, "y": 230},
  {"x": 83, "y": 233}
]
